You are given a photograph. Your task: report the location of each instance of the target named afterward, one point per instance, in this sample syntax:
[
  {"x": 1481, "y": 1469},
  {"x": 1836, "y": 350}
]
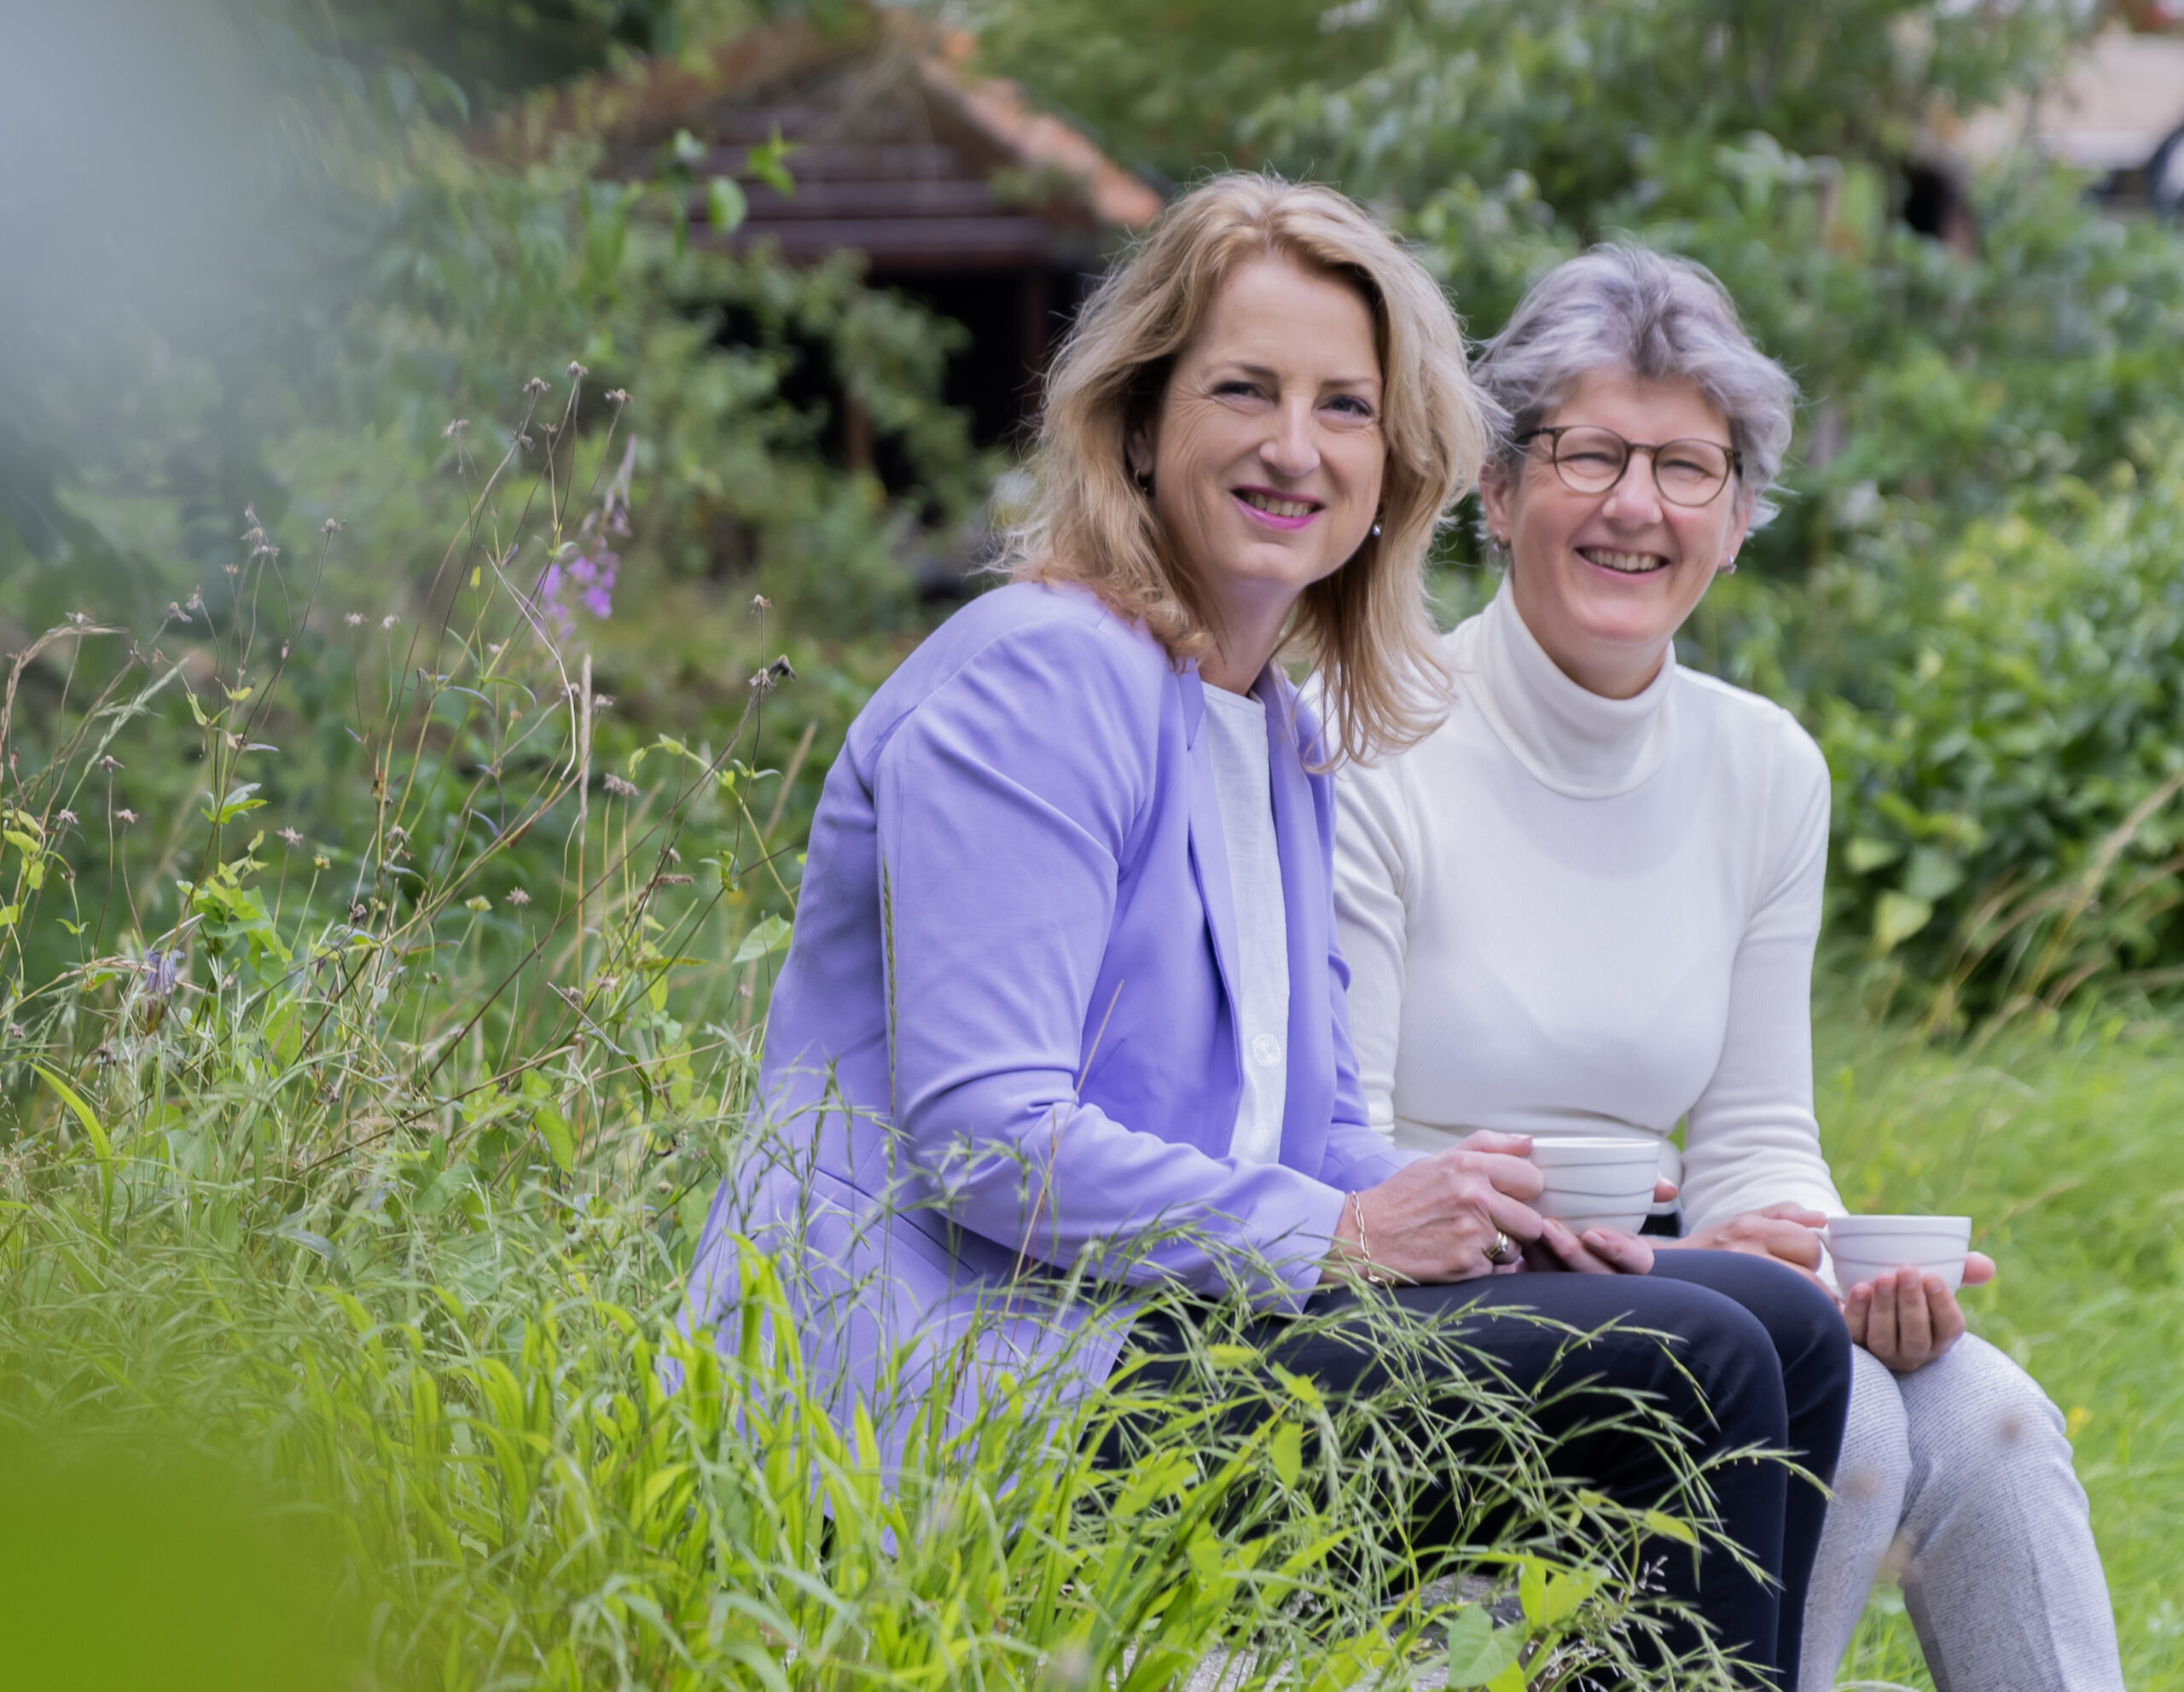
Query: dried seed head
[
  {"x": 66, "y": 816},
  {"x": 536, "y": 384},
  {"x": 624, "y": 789},
  {"x": 292, "y": 837},
  {"x": 454, "y": 428},
  {"x": 577, "y": 370},
  {"x": 332, "y": 526},
  {"x": 618, "y": 396},
  {"x": 110, "y": 762},
  {"x": 516, "y": 896},
  {"x": 355, "y": 620},
  {"x": 389, "y": 620},
  {"x": 125, "y": 816}
]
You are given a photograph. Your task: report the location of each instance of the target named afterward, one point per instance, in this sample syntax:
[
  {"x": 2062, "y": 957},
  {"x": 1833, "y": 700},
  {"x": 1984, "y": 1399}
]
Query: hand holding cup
[{"x": 1900, "y": 1275}]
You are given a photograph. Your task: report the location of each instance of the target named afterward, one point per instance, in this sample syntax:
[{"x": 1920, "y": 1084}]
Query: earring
[
  {"x": 1730, "y": 568},
  {"x": 1145, "y": 484},
  {"x": 1376, "y": 528}
]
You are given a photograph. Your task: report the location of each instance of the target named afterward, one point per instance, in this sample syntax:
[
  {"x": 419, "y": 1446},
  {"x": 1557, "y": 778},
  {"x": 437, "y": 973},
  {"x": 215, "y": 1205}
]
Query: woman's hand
[
  {"x": 1788, "y": 1232},
  {"x": 1598, "y": 1251},
  {"x": 1908, "y": 1320},
  {"x": 1439, "y": 1218}
]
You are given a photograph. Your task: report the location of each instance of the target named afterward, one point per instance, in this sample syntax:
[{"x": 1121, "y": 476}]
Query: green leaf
[
  {"x": 1864, "y": 854},
  {"x": 1564, "y": 1593},
  {"x": 1164, "y": 1476},
  {"x": 1896, "y": 917},
  {"x": 725, "y": 205},
  {"x": 238, "y": 801},
  {"x": 767, "y": 163},
  {"x": 769, "y": 937},
  {"x": 1671, "y": 1527},
  {"x": 1285, "y": 1452},
  {"x": 1531, "y": 1588},
  {"x": 553, "y": 1128},
  {"x": 100, "y": 1143},
  {"x": 1478, "y": 1651},
  {"x": 1932, "y": 873}
]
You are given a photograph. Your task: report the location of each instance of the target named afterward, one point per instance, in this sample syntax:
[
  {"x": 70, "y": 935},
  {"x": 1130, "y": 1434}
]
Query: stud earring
[
  {"x": 1145, "y": 483},
  {"x": 1376, "y": 528},
  {"x": 1730, "y": 568}
]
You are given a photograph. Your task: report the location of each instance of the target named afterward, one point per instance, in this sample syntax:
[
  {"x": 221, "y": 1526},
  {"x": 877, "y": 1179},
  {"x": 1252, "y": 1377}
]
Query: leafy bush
[
  {"x": 2003, "y": 712},
  {"x": 337, "y": 278}
]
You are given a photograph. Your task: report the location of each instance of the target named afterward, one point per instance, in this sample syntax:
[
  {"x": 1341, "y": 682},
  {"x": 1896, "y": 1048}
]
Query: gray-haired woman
[{"x": 1586, "y": 903}]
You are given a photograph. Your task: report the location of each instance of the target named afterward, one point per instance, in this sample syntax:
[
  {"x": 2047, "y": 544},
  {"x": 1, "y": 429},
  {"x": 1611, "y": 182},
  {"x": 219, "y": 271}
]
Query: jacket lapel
[
  {"x": 1310, "y": 1095},
  {"x": 1210, "y": 868}
]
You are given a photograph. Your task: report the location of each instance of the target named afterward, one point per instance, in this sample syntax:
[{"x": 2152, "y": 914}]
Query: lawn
[{"x": 2056, "y": 1140}]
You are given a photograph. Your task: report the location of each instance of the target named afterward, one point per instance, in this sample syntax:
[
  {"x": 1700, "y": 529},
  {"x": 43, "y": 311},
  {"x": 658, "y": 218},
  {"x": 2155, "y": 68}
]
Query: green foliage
[
  {"x": 375, "y": 280},
  {"x": 2000, "y": 705}
]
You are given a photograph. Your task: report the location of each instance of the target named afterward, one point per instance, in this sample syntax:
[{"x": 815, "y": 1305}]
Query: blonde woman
[
  {"x": 1586, "y": 903},
  {"x": 1064, "y": 945}
]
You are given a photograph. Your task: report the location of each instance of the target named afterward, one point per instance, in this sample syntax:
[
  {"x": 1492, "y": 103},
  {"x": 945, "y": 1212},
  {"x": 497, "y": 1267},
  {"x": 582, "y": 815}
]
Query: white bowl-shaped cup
[
  {"x": 1597, "y": 1183},
  {"x": 1864, "y": 1246}
]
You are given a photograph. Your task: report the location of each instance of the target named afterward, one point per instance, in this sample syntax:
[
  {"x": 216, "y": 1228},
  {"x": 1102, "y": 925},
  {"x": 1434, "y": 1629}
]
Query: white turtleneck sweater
[{"x": 1566, "y": 914}]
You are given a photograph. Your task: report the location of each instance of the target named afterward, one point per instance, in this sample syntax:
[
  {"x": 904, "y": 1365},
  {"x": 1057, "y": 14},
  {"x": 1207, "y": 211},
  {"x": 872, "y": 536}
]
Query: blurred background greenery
[{"x": 418, "y": 418}]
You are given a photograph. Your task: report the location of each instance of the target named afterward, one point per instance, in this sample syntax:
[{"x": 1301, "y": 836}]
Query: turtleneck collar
[{"x": 1574, "y": 742}]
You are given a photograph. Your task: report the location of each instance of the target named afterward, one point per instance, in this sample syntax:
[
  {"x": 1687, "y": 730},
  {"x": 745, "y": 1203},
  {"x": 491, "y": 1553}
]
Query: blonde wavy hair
[{"x": 1365, "y": 627}]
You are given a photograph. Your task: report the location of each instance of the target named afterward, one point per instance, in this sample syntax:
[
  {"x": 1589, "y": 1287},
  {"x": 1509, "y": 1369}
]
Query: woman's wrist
[{"x": 1352, "y": 1253}]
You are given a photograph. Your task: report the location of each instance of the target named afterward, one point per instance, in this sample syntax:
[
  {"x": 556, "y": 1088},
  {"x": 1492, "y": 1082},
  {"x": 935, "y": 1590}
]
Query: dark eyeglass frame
[{"x": 1631, "y": 448}]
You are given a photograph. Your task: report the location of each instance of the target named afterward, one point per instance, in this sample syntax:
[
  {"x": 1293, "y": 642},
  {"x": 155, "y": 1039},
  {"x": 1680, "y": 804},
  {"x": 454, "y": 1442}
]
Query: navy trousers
[{"x": 1758, "y": 1356}]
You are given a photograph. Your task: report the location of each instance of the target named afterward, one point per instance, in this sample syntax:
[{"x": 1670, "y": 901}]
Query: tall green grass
[
  {"x": 2059, "y": 1138},
  {"x": 373, "y": 1041}
]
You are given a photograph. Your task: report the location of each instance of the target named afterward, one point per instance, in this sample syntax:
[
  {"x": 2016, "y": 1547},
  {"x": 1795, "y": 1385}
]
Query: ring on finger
[{"x": 1503, "y": 1251}]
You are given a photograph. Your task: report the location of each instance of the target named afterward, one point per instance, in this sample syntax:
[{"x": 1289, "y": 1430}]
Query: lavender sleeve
[{"x": 1011, "y": 798}]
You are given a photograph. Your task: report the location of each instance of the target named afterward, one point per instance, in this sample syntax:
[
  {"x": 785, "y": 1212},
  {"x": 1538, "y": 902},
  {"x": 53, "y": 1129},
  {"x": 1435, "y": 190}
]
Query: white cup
[
  {"x": 1597, "y": 1183},
  {"x": 1864, "y": 1246}
]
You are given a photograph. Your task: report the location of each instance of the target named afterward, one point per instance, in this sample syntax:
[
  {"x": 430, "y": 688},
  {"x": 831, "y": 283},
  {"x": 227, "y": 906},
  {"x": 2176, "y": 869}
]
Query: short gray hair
[{"x": 1626, "y": 308}]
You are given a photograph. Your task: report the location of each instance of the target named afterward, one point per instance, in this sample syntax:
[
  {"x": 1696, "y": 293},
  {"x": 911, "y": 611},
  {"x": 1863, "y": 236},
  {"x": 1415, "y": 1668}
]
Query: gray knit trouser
[{"x": 1963, "y": 1467}]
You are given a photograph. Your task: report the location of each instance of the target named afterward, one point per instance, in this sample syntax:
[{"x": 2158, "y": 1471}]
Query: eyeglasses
[{"x": 1592, "y": 460}]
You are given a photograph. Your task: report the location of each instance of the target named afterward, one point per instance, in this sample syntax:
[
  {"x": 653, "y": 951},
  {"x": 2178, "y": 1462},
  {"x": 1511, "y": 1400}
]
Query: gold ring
[{"x": 1504, "y": 1250}]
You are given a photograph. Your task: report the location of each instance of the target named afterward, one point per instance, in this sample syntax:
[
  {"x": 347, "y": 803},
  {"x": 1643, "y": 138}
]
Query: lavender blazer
[{"x": 1002, "y": 1045}]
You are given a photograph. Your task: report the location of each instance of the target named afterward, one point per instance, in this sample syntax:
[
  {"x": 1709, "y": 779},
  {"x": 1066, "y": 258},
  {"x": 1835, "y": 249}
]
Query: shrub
[{"x": 2002, "y": 708}]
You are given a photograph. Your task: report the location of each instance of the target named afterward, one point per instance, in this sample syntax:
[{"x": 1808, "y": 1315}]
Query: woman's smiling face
[
  {"x": 1266, "y": 455},
  {"x": 1603, "y": 580}
]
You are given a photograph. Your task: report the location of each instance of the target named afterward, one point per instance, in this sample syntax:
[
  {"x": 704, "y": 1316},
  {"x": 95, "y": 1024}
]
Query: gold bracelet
[{"x": 1373, "y": 1274}]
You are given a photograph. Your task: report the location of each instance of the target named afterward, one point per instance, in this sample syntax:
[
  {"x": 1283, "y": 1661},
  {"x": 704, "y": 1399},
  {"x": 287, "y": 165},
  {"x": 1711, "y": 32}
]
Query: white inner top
[
  {"x": 1565, "y": 915},
  {"x": 1236, "y": 726}
]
